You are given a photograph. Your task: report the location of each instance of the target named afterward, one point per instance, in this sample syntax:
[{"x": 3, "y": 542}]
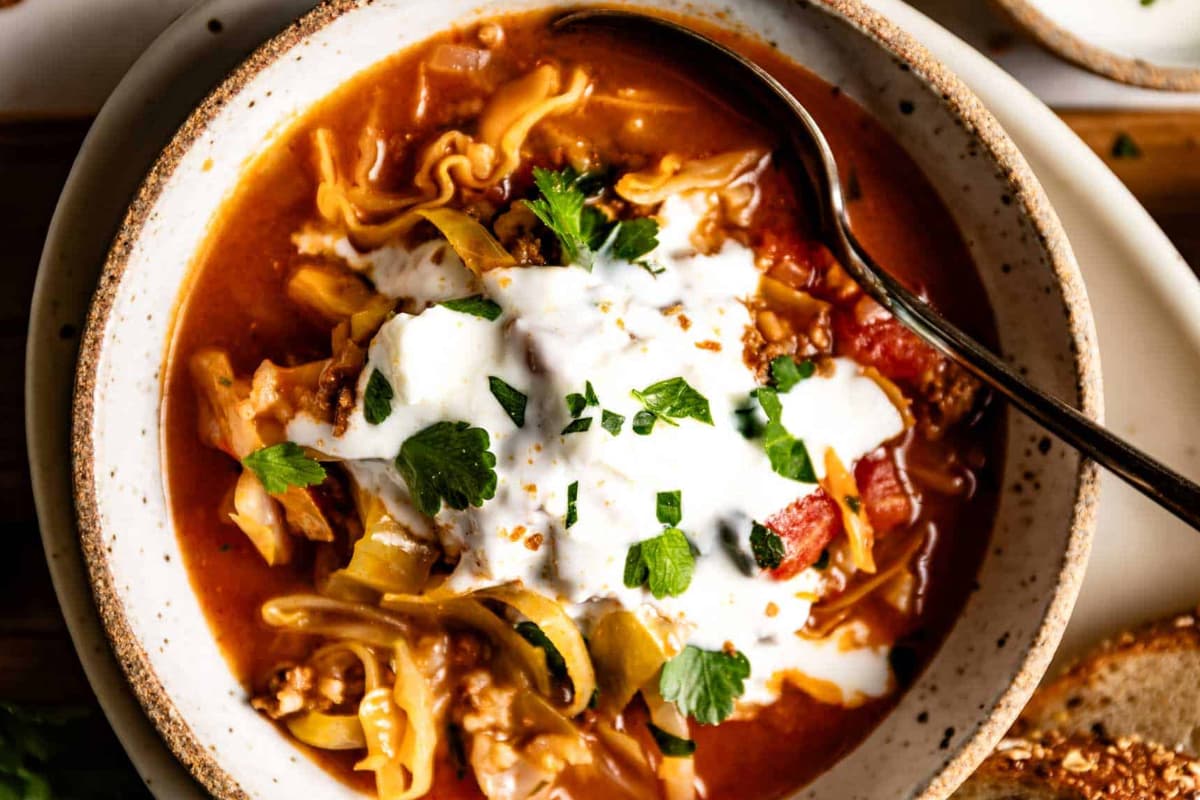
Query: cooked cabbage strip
[
  {"x": 839, "y": 484},
  {"x": 338, "y": 619},
  {"x": 626, "y": 655},
  {"x": 387, "y": 558},
  {"x": 453, "y": 160},
  {"x": 673, "y": 175},
  {"x": 327, "y": 731},
  {"x": 561, "y": 630},
  {"x": 477, "y": 248},
  {"x": 852, "y": 595},
  {"x": 400, "y": 730},
  {"x": 677, "y": 773},
  {"x": 258, "y": 517}
]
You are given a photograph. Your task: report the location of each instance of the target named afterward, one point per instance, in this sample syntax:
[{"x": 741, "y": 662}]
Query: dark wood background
[{"x": 38, "y": 665}]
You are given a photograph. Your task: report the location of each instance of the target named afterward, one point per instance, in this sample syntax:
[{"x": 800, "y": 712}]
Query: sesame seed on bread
[
  {"x": 1144, "y": 683},
  {"x": 1056, "y": 766}
]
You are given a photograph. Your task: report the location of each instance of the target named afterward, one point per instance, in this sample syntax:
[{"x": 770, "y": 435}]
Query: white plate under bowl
[
  {"x": 1154, "y": 44},
  {"x": 1135, "y": 276}
]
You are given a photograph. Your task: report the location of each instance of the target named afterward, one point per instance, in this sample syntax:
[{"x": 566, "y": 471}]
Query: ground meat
[
  {"x": 338, "y": 381},
  {"x": 948, "y": 395},
  {"x": 291, "y": 689}
]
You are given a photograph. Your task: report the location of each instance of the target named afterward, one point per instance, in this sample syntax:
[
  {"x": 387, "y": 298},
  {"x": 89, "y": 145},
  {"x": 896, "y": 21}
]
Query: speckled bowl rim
[
  {"x": 1126, "y": 69},
  {"x": 1027, "y": 193}
]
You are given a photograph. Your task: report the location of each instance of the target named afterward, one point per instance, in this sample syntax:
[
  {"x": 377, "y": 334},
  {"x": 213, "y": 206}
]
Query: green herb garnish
[
  {"x": 448, "y": 462},
  {"x": 555, "y": 663},
  {"x": 704, "y": 683},
  {"x": 576, "y": 403},
  {"x": 786, "y": 373},
  {"x": 669, "y": 507},
  {"x": 577, "y": 426},
  {"x": 669, "y": 744},
  {"x": 854, "y": 502},
  {"x": 746, "y": 420},
  {"x": 767, "y": 547},
  {"x": 377, "y": 401},
  {"x": 561, "y": 209},
  {"x": 670, "y": 400},
  {"x": 643, "y": 422},
  {"x": 1125, "y": 147},
  {"x": 283, "y": 465},
  {"x": 664, "y": 564},
  {"x": 572, "y": 498},
  {"x": 611, "y": 421},
  {"x": 513, "y": 401},
  {"x": 788, "y": 455},
  {"x": 476, "y": 305},
  {"x": 635, "y": 238}
]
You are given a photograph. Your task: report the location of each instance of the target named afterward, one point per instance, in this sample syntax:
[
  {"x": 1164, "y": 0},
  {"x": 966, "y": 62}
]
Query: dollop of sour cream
[{"x": 619, "y": 328}]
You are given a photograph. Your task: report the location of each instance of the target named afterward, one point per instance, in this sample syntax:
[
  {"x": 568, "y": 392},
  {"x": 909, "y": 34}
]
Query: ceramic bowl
[
  {"x": 1153, "y": 43},
  {"x": 1001, "y": 643}
]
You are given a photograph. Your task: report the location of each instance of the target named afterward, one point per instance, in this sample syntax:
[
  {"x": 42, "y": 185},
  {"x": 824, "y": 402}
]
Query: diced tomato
[
  {"x": 791, "y": 258},
  {"x": 806, "y": 527},
  {"x": 882, "y": 491},
  {"x": 882, "y": 342}
]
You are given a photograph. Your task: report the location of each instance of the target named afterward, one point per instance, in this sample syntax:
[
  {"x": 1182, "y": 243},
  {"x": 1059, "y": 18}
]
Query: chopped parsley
[
  {"x": 377, "y": 402},
  {"x": 767, "y": 547},
  {"x": 704, "y": 683},
  {"x": 1125, "y": 147},
  {"x": 643, "y": 422},
  {"x": 854, "y": 503},
  {"x": 670, "y": 507},
  {"x": 584, "y": 230},
  {"x": 664, "y": 564},
  {"x": 561, "y": 209},
  {"x": 572, "y": 498},
  {"x": 634, "y": 240},
  {"x": 788, "y": 455},
  {"x": 668, "y": 401},
  {"x": 611, "y": 421},
  {"x": 577, "y": 426},
  {"x": 669, "y": 744},
  {"x": 576, "y": 403},
  {"x": 476, "y": 305},
  {"x": 283, "y": 465},
  {"x": 786, "y": 373},
  {"x": 746, "y": 419},
  {"x": 555, "y": 663},
  {"x": 513, "y": 401},
  {"x": 448, "y": 462},
  {"x": 823, "y": 561}
]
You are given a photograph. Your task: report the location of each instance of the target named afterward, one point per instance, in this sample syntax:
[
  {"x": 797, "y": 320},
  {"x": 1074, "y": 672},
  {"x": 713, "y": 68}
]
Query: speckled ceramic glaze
[
  {"x": 992, "y": 658},
  {"x": 1153, "y": 44}
]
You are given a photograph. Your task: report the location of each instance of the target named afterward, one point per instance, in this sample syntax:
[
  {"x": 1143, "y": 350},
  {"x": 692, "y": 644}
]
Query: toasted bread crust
[
  {"x": 1087, "y": 767},
  {"x": 1124, "y": 675}
]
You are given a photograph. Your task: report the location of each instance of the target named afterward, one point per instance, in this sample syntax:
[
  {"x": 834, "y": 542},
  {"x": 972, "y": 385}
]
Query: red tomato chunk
[
  {"x": 882, "y": 342},
  {"x": 883, "y": 493},
  {"x": 806, "y": 527}
]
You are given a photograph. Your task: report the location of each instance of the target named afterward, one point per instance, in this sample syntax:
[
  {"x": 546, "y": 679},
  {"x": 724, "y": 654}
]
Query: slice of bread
[
  {"x": 1055, "y": 766},
  {"x": 1145, "y": 683}
]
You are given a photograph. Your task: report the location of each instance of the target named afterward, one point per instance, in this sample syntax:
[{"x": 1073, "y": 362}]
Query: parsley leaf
[
  {"x": 572, "y": 498},
  {"x": 282, "y": 465},
  {"x": 786, "y": 373},
  {"x": 664, "y": 564},
  {"x": 643, "y": 422},
  {"x": 589, "y": 394},
  {"x": 577, "y": 426},
  {"x": 635, "y": 238},
  {"x": 512, "y": 400},
  {"x": 854, "y": 503},
  {"x": 767, "y": 547},
  {"x": 577, "y": 402},
  {"x": 669, "y": 744},
  {"x": 476, "y": 305},
  {"x": 377, "y": 401},
  {"x": 611, "y": 421},
  {"x": 531, "y": 633},
  {"x": 670, "y": 507},
  {"x": 561, "y": 209},
  {"x": 746, "y": 419},
  {"x": 670, "y": 400},
  {"x": 704, "y": 683},
  {"x": 448, "y": 461},
  {"x": 788, "y": 455}
]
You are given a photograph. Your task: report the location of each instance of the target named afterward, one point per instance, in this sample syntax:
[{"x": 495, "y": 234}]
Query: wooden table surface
[{"x": 37, "y": 662}]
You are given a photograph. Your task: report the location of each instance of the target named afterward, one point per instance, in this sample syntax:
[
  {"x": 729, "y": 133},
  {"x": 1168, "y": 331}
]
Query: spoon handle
[{"x": 1152, "y": 478}]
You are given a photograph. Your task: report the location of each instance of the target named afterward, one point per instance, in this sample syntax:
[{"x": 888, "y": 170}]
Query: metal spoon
[{"x": 771, "y": 102}]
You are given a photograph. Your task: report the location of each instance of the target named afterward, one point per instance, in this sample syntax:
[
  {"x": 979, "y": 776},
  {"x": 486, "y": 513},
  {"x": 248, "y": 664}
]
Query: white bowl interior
[{"x": 986, "y": 648}]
